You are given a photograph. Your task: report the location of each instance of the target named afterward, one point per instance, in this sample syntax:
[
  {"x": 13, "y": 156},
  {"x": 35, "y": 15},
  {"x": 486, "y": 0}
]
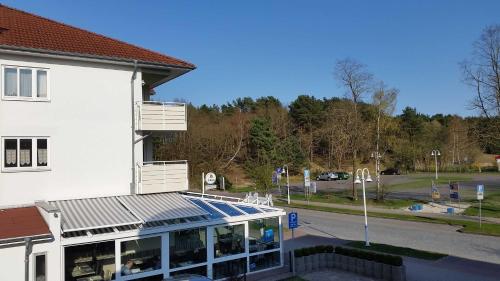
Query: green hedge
[
  {"x": 313, "y": 250},
  {"x": 382, "y": 258},
  {"x": 367, "y": 255}
]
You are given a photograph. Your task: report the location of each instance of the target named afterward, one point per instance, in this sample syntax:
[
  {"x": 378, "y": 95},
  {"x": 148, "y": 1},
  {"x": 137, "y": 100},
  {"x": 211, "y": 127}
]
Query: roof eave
[{"x": 91, "y": 58}]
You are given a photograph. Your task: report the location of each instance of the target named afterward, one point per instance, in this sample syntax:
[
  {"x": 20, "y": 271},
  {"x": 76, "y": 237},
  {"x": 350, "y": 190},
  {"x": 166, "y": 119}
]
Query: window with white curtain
[
  {"x": 41, "y": 83},
  {"x": 25, "y": 153},
  {"x": 41, "y": 152},
  {"x": 25, "y": 83},
  {"x": 25, "y": 80},
  {"x": 10, "y": 82},
  {"x": 10, "y": 153}
]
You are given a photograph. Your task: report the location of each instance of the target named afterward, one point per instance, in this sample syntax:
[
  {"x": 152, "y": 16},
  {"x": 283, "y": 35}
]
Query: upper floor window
[
  {"x": 25, "y": 83},
  {"x": 25, "y": 153}
]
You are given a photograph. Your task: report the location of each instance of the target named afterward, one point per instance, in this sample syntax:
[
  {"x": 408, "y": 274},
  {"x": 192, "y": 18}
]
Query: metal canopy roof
[
  {"x": 83, "y": 214},
  {"x": 100, "y": 215},
  {"x": 161, "y": 206}
]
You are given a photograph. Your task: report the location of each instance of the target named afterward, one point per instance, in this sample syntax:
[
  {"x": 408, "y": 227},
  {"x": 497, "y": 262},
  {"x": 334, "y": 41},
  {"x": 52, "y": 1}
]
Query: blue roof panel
[
  {"x": 248, "y": 209},
  {"x": 213, "y": 214},
  {"x": 226, "y": 208}
]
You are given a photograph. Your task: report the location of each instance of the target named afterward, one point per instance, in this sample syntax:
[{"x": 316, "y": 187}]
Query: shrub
[
  {"x": 367, "y": 255},
  {"x": 313, "y": 250}
]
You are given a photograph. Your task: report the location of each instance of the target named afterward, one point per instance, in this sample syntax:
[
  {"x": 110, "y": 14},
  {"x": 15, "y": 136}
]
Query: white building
[{"x": 80, "y": 194}]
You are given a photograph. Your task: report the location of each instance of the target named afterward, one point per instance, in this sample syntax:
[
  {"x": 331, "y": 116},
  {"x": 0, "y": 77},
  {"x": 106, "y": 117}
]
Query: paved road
[{"x": 425, "y": 236}]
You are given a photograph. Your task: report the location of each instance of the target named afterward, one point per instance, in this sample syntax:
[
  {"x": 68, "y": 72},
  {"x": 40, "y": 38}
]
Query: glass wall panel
[
  {"x": 232, "y": 268},
  {"x": 200, "y": 270},
  {"x": 90, "y": 262},
  {"x": 151, "y": 278},
  {"x": 229, "y": 240},
  {"x": 259, "y": 262},
  {"x": 140, "y": 255},
  {"x": 188, "y": 247},
  {"x": 263, "y": 234}
]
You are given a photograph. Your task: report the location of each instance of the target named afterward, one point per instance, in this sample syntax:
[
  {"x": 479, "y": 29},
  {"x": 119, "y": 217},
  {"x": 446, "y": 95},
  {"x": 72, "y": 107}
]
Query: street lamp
[
  {"x": 362, "y": 180},
  {"x": 287, "y": 183},
  {"x": 436, "y": 153},
  {"x": 377, "y": 156}
]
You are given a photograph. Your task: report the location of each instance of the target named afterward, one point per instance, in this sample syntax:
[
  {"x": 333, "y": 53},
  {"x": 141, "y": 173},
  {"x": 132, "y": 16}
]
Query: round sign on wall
[{"x": 210, "y": 178}]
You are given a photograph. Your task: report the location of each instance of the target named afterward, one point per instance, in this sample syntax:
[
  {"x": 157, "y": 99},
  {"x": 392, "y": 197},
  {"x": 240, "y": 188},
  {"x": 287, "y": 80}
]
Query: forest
[{"x": 248, "y": 138}]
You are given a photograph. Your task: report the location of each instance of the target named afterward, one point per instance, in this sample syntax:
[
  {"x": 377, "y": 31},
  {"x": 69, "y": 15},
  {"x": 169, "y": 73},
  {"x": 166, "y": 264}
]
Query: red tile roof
[
  {"x": 24, "y": 30},
  {"x": 21, "y": 222}
]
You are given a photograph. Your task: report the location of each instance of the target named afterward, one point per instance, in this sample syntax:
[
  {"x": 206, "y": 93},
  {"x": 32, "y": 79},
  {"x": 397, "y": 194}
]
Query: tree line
[{"x": 340, "y": 133}]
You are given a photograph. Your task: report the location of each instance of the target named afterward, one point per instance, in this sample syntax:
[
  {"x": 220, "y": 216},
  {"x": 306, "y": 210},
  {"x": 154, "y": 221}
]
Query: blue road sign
[
  {"x": 293, "y": 220},
  {"x": 275, "y": 178},
  {"x": 480, "y": 192}
]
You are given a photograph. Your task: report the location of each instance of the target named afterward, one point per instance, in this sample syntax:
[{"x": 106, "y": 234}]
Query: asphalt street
[{"x": 425, "y": 236}]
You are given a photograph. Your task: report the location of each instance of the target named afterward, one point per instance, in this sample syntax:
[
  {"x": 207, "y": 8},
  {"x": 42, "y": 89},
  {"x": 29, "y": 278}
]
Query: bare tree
[
  {"x": 482, "y": 73},
  {"x": 384, "y": 100},
  {"x": 353, "y": 76}
]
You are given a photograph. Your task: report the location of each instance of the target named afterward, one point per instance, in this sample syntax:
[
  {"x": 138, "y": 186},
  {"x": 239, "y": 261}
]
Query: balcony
[
  {"x": 161, "y": 116},
  {"x": 162, "y": 176}
]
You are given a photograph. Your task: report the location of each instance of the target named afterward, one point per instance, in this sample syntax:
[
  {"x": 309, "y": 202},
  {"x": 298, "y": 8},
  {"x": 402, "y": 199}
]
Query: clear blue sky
[{"x": 286, "y": 48}]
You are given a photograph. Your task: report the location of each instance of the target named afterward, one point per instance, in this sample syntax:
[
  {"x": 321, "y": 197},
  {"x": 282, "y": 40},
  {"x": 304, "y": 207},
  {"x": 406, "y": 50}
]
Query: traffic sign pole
[
  {"x": 203, "y": 183},
  {"x": 480, "y": 197},
  {"x": 480, "y": 213}
]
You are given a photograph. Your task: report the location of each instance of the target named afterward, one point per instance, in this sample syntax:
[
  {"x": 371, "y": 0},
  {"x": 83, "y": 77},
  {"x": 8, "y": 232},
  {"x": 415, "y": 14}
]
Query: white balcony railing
[
  {"x": 162, "y": 176},
  {"x": 161, "y": 116}
]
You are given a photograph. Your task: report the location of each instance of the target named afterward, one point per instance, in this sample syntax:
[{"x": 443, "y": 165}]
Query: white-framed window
[
  {"x": 25, "y": 153},
  {"x": 25, "y": 83}
]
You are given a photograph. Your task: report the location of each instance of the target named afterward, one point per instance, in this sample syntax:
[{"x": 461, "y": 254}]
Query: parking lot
[{"x": 412, "y": 186}]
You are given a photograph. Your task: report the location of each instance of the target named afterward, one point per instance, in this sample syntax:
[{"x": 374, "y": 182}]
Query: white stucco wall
[
  {"x": 12, "y": 257},
  {"x": 88, "y": 120}
]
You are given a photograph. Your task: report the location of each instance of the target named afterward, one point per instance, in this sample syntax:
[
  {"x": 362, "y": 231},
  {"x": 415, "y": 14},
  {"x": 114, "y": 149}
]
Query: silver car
[{"x": 327, "y": 176}]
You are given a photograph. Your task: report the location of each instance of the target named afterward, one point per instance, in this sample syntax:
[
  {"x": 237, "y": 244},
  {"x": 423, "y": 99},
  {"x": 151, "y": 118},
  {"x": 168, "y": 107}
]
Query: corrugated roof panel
[
  {"x": 83, "y": 214},
  {"x": 161, "y": 206}
]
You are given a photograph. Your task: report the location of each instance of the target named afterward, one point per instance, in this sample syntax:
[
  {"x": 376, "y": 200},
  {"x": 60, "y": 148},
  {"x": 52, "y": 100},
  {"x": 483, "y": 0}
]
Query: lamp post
[
  {"x": 287, "y": 183},
  {"x": 377, "y": 157},
  {"x": 436, "y": 153},
  {"x": 362, "y": 180}
]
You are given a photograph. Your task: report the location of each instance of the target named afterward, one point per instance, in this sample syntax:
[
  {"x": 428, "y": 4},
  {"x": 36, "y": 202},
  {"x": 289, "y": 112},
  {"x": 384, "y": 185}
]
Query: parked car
[
  {"x": 342, "y": 175},
  {"x": 188, "y": 277},
  {"x": 327, "y": 176},
  {"x": 390, "y": 171}
]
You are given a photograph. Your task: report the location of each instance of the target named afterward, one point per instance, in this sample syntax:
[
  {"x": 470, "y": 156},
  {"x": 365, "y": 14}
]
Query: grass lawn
[
  {"x": 490, "y": 206},
  {"x": 401, "y": 251},
  {"x": 467, "y": 226},
  {"x": 343, "y": 198},
  {"x": 242, "y": 189},
  {"x": 418, "y": 181}
]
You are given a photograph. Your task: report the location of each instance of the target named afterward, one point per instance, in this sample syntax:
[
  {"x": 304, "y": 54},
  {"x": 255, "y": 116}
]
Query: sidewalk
[{"x": 394, "y": 211}]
